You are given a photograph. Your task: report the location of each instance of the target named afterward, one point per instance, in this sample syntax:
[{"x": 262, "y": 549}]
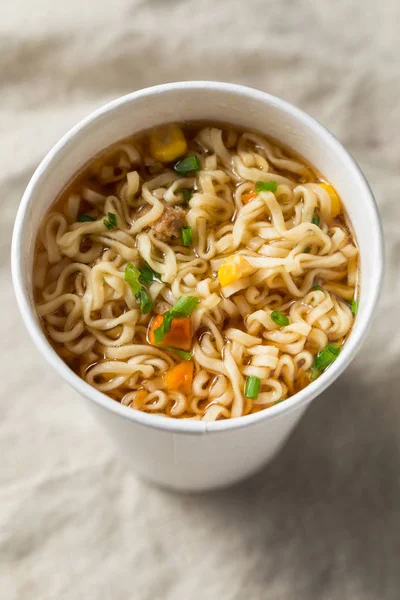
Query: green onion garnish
[
  {"x": 324, "y": 359},
  {"x": 111, "y": 222},
  {"x": 354, "y": 306},
  {"x": 144, "y": 300},
  {"x": 166, "y": 324},
  {"x": 189, "y": 164},
  {"x": 136, "y": 279},
  {"x": 316, "y": 220},
  {"x": 182, "y": 308},
  {"x": 131, "y": 276},
  {"x": 181, "y": 353},
  {"x": 252, "y": 387},
  {"x": 84, "y": 218},
  {"x": 317, "y": 287},
  {"x": 187, "y": 236},
  {"x": 159, "y": 334},
  {"x": 266, "y": 186},
  {"x": 187, "y": 194},
  {"x": 148, "y": 275},
  {"x": 279, "y": 318},
  {"x": 307, "y": 250}
]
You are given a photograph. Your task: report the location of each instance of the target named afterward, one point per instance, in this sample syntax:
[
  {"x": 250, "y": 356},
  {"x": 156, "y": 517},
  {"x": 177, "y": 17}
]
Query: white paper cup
[{"x": 181, "y": 454}]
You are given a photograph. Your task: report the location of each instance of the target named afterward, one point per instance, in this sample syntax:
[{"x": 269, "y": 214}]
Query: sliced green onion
[
  {"x": 166, "y": 324},
  {"x": 189, "y": 164},
  {"x": 266, "y": 186},
  {"x": 148, "y": 275},
  {"x": 324, "y": 359},
  {"x": 144, "y": 300},
  {"x": 181, "y": 353},
  {"x": 187, "y": 194},
  {"x": 84, "y": 218},
  {"x": 136, "y": 279},
  {"x": 317, "y": 287},
  {"x": 182, "y": 308},
  {"x": 354, "y": 306},
  {"x": 316, "y": 220},
  {"x": 164, "y": 327},
  {"x": 187, "y": 236},
  {"x": 307, "y": 250},
  {"x": 314, "y": 373},
  {"x": 279, "y": 318},
  {"x": 111, "y": 222},
  {"x": 252, "y": 387},
  {"x": 159, "y": 334},
  {"x": 131, "y": 276}
]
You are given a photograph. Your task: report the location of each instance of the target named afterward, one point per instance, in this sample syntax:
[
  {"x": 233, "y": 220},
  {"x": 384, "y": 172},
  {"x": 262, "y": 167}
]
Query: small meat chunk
[
  {"x": 161, "y": 307},
  {"x": 170, "y": 224}
]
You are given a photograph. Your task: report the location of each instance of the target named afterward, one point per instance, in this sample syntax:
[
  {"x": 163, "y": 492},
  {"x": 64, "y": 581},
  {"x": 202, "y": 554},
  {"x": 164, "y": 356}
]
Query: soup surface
[{"x": 197, "y": 271}]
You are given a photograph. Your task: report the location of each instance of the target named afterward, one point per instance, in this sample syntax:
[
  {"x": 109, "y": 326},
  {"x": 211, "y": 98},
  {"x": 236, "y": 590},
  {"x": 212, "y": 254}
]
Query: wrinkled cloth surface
[{"x": 322, "y": 522}]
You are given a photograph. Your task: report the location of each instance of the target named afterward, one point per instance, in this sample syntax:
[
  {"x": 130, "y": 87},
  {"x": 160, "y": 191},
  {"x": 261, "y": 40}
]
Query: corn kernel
[
  {"x": 167, "y": 143},
  {"x": 234, "y": 268},
  {"x": 335, "y": 200}
]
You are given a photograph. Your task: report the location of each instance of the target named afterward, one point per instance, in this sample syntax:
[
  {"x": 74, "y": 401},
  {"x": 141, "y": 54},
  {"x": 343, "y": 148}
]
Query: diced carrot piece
[
  {"x": 180, "y": 377},
  {"x": 249, "y": 196},
  {"x": 155, "y": 324},
  {"x": 179, "y": 336}
]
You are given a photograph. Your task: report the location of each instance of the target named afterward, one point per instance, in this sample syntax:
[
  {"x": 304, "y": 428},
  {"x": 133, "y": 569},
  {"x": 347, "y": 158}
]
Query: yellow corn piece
[
  {"x": 335, "y": 200},
  {"x": 234, "y": 268},
  {"x": 167, "y": 143}
]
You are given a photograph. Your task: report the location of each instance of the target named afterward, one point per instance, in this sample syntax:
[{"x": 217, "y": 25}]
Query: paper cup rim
[{"x": 188, "y": 426}]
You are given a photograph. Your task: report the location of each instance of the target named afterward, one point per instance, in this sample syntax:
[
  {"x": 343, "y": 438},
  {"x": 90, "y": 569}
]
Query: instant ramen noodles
[{"x": 197, "y": 271}]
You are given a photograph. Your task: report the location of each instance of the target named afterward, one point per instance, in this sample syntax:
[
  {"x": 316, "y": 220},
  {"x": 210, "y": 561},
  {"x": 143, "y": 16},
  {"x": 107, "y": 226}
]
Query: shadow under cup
[{"x": 183, "y": 454}]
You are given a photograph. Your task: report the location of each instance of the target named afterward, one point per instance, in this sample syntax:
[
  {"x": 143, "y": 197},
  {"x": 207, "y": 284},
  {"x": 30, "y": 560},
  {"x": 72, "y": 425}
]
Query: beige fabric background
[{"x": 323, "y": 521}]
